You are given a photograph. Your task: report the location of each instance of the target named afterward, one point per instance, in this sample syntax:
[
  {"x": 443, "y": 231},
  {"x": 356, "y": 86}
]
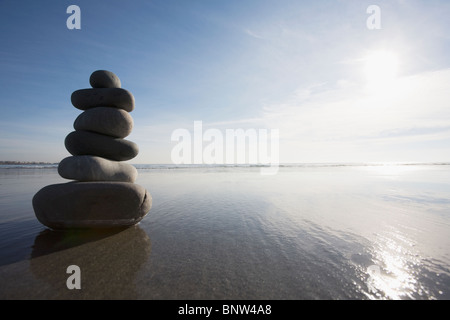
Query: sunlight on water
[
  {"x": 394, "y": 276},
  {"x": 391, "y": 169},
  {"x": 320, "y": 232}
]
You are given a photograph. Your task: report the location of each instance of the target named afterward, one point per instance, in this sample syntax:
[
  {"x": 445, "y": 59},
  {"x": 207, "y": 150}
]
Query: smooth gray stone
[
  {"x": 84, "y": 99},
  {"x": 104, "y": 79},
  {"x": 91, "y": 204},
  {"x": 110, "y": 121},
  {"x": 92, "y": 168},
  {"x": 80, "y": 143}
]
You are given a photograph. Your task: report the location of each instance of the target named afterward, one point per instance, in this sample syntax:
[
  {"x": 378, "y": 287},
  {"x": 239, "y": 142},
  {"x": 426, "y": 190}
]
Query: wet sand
[
  {"x": 230, "y": 233},
  {"x": 109, "y": 262}
]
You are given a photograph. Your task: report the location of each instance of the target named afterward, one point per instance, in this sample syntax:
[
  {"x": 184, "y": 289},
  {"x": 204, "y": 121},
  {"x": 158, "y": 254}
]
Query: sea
[{"x": 310, "y": 231}]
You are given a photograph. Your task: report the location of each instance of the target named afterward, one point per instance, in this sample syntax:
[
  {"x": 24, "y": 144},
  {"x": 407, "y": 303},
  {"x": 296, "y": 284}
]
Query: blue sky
[{"x": 296, "y": 66}]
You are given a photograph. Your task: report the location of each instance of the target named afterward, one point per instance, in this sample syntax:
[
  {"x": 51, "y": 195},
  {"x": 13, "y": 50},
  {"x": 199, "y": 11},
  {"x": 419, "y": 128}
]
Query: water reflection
[
  {"x": 399, "y": 263},
  {"x": 391, "y": 170},
  {"x": 399, "y": 272},
  {"x": 305, "y": 233},
  {"x": 109, "y": 261}
]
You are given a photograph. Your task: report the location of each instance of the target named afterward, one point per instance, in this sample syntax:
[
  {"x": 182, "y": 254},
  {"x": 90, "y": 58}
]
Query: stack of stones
[{"x": 103, "y": 194}]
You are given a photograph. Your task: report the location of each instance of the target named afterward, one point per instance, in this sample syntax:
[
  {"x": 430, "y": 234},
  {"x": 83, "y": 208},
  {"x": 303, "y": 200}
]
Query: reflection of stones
[{"x": 108, "y": 259}]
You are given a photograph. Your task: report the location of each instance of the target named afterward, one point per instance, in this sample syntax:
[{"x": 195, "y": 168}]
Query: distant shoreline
[
  {"x": 25, "y": 163},
  {"x": 243, "y": 165}
]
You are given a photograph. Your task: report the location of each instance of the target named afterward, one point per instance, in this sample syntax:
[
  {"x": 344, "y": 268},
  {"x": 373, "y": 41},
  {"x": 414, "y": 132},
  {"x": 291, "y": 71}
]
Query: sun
[{"x": 380, "y": 68}]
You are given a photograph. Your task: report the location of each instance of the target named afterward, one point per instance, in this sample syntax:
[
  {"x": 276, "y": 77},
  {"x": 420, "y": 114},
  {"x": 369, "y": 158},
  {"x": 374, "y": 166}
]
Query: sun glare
[{"x": 381, "y": 68}]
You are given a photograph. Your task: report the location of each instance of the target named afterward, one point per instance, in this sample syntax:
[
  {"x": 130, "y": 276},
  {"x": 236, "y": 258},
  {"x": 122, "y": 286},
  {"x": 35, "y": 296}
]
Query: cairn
[{"x": 103, "y": 194}]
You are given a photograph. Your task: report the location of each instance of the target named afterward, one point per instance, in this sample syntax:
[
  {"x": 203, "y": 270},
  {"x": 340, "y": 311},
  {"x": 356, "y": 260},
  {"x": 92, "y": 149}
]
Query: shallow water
[{"x": 308, "y": 232}]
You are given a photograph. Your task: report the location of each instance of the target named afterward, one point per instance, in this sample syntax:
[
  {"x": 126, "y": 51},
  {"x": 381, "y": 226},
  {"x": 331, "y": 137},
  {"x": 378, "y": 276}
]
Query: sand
[
  {"x": 230, "y": 233},
  {"x": 109, "y": 263}
]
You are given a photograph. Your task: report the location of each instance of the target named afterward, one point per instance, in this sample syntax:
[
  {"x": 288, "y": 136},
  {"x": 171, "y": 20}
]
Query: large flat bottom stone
[{"x": 91, "y": 205}]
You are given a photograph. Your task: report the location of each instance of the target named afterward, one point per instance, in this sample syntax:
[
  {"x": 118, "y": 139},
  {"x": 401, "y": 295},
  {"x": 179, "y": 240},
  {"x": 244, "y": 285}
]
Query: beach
[{"x": 216, "y": 232}]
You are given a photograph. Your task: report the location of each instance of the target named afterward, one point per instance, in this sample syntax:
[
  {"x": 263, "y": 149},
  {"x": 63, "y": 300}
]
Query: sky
[{"x": 335, "y": 89}]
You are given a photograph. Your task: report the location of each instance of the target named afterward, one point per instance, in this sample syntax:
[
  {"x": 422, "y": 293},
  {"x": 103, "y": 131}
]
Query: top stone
[{"x": 104, "y": 79}]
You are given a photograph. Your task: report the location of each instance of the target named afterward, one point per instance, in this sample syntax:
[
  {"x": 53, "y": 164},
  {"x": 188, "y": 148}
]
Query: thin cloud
[
  {"x": 416, "y": 111},
  {"x": 253, "y": 34}
]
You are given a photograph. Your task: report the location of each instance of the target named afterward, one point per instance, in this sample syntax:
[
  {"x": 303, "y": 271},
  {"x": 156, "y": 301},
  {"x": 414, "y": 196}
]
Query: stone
[
  {"x": 91, "y": 204},
  {"x": 81, "y": 142},
  {"x": 104, "y": 79},
  {"x": 92, "y": 168},
  {"x": 110, "y": 121},
  {"x": 84, "y": 99}
]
